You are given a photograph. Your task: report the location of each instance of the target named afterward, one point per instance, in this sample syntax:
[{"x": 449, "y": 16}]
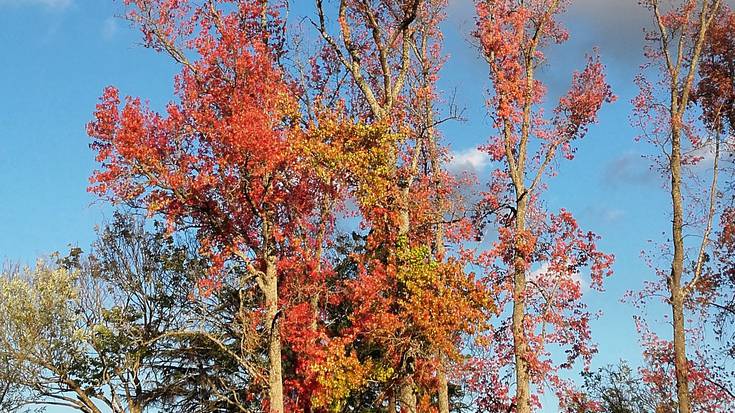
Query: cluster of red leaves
[
  {"x": 505, "y": 34},
  {"x": 716, "y": 88}
]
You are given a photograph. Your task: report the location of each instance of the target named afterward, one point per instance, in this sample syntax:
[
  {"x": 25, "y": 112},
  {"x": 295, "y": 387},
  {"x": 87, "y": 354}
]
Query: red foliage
[
  {"x": 550, "y": 250},
  {"x": 223, "y": 157}
]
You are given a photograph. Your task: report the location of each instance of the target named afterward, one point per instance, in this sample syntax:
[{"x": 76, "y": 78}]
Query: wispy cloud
[
  {"x": 49, "y": 4},
  {"x": 628, "y": 169},
  {"x": 604, "y": 213},
  {"x": 471, "y": 160}
]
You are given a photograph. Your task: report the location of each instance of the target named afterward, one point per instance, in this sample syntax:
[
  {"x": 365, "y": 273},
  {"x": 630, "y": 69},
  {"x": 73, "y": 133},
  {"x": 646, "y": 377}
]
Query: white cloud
[
  {"x": 471, "y": 159},
  {"x": 543, "y": 272},
  {"x": 49, "y": 4},
  {"x": 705, "y": 156},
  {"x": 109, "y": 28},
  {"x": 538, "y": 272}
]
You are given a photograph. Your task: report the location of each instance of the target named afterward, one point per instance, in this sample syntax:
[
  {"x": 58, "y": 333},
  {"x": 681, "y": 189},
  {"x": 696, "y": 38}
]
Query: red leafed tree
[
  {"x": 224, "y": 157},
  {"x": 536, "y": 265},
  {"x": 671, "y": 95}
]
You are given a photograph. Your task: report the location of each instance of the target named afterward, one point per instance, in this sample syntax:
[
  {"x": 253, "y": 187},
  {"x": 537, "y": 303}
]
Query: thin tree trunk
[
  {"x": 443, "y": 396},
  {"x": 392, "y": 403},
  {"x": 443, "y": 390},
  {"x": 520, "y": 347},
  {"x": 406, "y": 393},
  {"x": 407, "y": 397},
  {"x": 677, "y": 269},
  {"x": 325, "y": 209},
  {"x": 679, "y": 101},
  {"x": 275, "y": 375}
]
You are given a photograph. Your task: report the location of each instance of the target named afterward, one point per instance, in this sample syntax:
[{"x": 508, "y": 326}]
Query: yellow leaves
[
  {"x": 288, "y": 105},
  {"x": 342, "y": 374},
  {"x": 382, "y": 373},
  {"x": 361, "y": 156},
  {"x": 338, "y": 376},
  {"x": 418, "y": 269},
  {"x": 37, "y": 307}
]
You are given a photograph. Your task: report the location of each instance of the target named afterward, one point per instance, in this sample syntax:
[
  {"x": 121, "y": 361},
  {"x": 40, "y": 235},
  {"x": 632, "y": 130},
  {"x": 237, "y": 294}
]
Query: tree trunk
[
  {"x": 135, "y": 408},
  {"x": 392, "y": 403},
  {"x": 275, "y": 376},
  {"x": 520, "y": 347},
  {"x": 407, "y": 397},
  {"x": 314, "y": 300},
  {"x": 677, "y": 269},
  {"x": 443, "y": 390},
  {"x": 443, "y": 397}
]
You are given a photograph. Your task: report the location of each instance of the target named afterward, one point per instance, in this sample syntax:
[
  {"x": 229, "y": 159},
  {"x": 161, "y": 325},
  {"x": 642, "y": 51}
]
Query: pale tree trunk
[
  {"x": 443, "y": 390},
  {"x": 406, "y": 392},
  {"x": 407, "y": 397},
  {"x": 520, "y": 347},
  {"x": 275, "y": 375},
  {"x": 680, "y": 90},
  {"x": 675, "y": 282}
]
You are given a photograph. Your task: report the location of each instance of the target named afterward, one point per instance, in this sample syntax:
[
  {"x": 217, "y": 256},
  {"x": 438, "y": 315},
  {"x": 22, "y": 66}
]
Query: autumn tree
[
  {"x": 535, "y": 264},
  {"x": 715, "y": 95},
  {"x": 675, "y": 85},
  {"x": 391, "y": 54},
  {"x": 223, "y": 158}
]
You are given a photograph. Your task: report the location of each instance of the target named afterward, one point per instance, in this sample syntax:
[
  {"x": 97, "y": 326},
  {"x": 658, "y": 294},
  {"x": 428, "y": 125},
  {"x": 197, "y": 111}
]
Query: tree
[
  {"x": 664, "y": 112},
  {"x": 223, "y": 159},
  {"x": 419, "y": 301},
  {"x": 535, "y": 264},
  {"x": 142, "y": 342},
  {"x": 145, "y": 330},
  {"x": 43, "y": 342},
  {"x": 613, "y": 389},
  {"x": 715, "y": 95}
]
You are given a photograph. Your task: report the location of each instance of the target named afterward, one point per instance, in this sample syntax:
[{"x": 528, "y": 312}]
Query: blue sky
[{"x": 59, "y": 54}]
